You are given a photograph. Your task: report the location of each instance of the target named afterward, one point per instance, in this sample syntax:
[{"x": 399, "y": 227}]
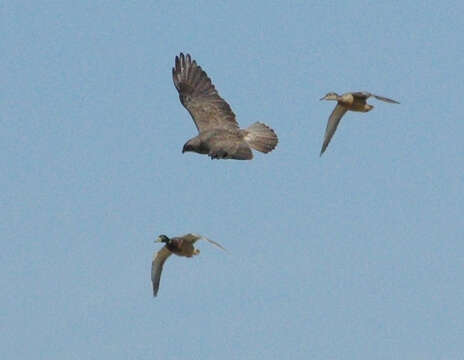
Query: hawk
[{"x": 219, "y": 134}]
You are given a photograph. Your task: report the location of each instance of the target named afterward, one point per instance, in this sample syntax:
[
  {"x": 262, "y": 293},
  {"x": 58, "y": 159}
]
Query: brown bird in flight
[
  {"x": 355, "y": 101},
  {"x": 181, "y": 246},
  {"x": 219, "y": 134}
]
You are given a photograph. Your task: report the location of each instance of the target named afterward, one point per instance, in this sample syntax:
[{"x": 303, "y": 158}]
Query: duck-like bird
[
  {"x": 181, "y": 246},
  {"x": 354, "y": 101},
  {"x": 219, "y": 135}
]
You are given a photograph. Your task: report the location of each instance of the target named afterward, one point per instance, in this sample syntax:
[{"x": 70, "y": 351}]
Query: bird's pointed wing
[
  {"x": 214, "y": 243},
  {"x": 199, "y": 96},
  {"x": 361, "y": 94},
  {"x": 332, "y": 124},
  {"x": 365, "y": 95},
  {"x": 194, "y": 237},
  {"x": 190, "y": 237},
  {"x": 378, "y": 97},
  {"x": 157, "y": 267}
]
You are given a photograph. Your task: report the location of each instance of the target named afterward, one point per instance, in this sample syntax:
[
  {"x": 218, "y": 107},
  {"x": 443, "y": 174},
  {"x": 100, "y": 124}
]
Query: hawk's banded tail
[{"x": 261, "y": 137}]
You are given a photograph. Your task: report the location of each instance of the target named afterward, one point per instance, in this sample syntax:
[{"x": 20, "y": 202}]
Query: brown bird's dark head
[{"x": 163, "y": 239}]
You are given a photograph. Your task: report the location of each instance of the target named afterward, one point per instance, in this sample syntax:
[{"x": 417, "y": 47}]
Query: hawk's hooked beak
[{"x": 158, "y": 240}]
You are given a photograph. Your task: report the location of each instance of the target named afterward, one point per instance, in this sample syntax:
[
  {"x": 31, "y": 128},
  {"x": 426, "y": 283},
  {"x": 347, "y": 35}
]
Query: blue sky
[{"x": 355, "y": 255}]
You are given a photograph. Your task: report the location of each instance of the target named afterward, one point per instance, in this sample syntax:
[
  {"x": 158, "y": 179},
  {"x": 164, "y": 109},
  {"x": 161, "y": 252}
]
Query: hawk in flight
[{"x": 219, "y": 134}]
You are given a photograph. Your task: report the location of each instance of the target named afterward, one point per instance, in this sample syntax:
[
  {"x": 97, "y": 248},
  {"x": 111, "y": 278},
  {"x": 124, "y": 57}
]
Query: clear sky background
[{"x": 358, "y": 254}]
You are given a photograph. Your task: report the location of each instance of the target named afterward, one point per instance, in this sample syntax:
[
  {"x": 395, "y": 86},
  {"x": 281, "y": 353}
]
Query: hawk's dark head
[
  {"x": 193, "y": 144},
  {"x": 187, "y": 147}
]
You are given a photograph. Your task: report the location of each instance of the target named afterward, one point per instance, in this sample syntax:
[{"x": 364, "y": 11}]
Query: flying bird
[
  {"x": 355, "y": 101},
  {"x": 181, "y": 246},
  {"x": 219, "y": 134}
]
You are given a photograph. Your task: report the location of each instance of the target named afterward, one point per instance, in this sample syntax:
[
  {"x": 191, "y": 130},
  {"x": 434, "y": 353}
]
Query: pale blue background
[{"x": 355, "y": 255}]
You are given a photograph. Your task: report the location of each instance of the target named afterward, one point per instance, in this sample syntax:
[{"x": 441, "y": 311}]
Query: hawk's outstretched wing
[{"x": 200, "y": 98}]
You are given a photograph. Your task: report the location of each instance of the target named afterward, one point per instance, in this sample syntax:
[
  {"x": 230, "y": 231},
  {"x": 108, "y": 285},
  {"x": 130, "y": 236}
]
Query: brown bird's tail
[{"x": 261, "y": 137}]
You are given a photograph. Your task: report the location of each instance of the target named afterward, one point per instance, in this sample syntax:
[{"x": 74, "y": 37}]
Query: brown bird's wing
[
  {"x": 194, "y": 237},
  {"x": 361, "y": 94},
  {"x": 190, "y": 237},
  {"x": 200, "y": 98},
  {"x": 365, "y": 95},
  {"x": 378, "y": 97},
  {"x": 157, "y": 267},
  {"x": 214, "y": 243},
  {"x": 332, "y": 124}
]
